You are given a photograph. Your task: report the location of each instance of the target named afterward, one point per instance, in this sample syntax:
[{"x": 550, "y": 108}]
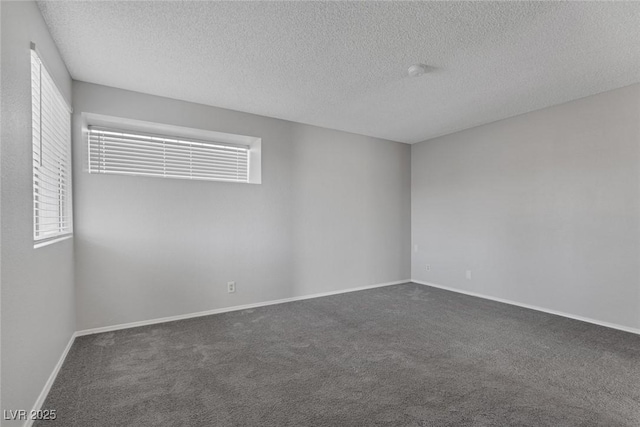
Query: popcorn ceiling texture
[{"x": 343, "y": 65}]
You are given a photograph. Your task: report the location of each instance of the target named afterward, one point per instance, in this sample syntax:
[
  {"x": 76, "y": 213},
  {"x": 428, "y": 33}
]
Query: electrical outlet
[
  {"x": 468, "y": 274},
  {"x": 428, "y": 267},
  {"x": 231, "y": 287}
]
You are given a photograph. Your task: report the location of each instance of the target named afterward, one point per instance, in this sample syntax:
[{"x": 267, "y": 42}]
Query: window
[
  {"x": 116, "y": 151},
  {"x": 51, "y": 138}
]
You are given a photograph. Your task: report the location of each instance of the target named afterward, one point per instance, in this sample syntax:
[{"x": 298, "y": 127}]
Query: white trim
[
  {"x": 533, "y": 307},
  {"x": 251, "y": 143},
  {"x": 131, "y": 125},
  {"x": 52, "y": 378},
  {"x": 39, "y": 244},
  {"x": 47, "y": 387},
  {"x": 37, "y": 51},
  {"x": 229, "y": 309},
  {"x": 56, "y": 369}
]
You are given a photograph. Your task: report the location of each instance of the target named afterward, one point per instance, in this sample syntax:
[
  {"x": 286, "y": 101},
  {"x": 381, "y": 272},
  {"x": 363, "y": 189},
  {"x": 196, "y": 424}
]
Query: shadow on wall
[
  {"x": 350, "y": 210},
  {"x": 332, "y": 213}
]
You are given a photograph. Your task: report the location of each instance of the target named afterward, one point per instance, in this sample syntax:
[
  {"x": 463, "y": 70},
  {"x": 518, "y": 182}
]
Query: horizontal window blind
[
  {"x": 115, "y": 151},
  {"x": 51, "y": 137}
]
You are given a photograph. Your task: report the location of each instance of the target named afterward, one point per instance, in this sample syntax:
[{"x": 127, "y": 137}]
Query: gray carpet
[{"x": 405, "y": 355}]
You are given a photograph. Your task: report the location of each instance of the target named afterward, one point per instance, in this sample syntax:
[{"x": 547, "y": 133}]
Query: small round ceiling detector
[{"x": 417, "y": 70}]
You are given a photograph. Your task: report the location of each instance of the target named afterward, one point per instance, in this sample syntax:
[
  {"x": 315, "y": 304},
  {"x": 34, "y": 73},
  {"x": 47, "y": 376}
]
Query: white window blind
[
  {"x": 135, "y": 153},
  {"x": 51, "y": 137}
]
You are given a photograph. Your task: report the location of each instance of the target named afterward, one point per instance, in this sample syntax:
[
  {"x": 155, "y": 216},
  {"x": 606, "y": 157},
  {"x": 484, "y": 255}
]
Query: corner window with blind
[
  {"x": 51, "y": 140},
  {"x": 114, "y": 151}
]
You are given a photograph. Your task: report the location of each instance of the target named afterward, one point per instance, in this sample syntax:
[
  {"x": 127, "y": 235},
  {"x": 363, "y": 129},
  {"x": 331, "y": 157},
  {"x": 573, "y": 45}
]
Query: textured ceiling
[{"x": 343, "y": 65}]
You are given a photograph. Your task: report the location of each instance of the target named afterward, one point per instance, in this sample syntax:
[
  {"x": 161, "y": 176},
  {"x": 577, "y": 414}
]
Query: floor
[{"x": 404, "y": 355}]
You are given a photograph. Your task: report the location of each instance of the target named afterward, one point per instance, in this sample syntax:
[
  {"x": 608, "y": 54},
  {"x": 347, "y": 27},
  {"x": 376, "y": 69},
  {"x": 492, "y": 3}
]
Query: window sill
[{"x": 42, "y": 243}]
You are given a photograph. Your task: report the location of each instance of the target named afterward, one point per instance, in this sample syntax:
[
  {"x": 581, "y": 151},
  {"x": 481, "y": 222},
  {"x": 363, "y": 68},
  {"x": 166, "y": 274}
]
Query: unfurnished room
[{"x": 319, "y": 213}]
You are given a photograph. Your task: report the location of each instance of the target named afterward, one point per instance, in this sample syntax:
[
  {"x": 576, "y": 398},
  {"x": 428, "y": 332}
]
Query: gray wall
[
  {"x": 332, "y": 212},
  {"x": 543, "y": 208},
  {"x": 38, "y": 314}
]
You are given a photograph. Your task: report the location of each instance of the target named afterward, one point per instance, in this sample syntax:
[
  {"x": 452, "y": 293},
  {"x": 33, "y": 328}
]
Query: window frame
[
  {"x": 46, "y": 167},
  {"x": 139, "y": 148}
]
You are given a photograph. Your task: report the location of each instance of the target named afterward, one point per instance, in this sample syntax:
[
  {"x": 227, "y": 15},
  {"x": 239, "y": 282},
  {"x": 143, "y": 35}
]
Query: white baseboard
[
  {"x": 52, "y": 378},
  {"x": 47, "y": 387},
  {"x": 229, "y": 309},
  {"x": 533, "y": 307}
]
